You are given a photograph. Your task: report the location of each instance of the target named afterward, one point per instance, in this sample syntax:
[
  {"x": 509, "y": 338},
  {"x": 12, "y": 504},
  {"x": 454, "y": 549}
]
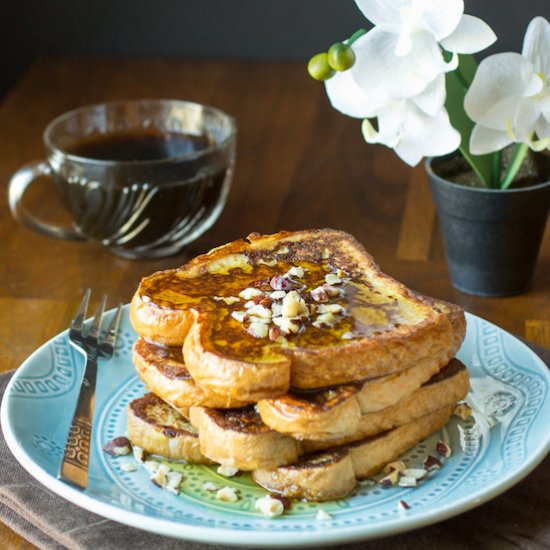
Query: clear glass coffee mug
[{"x": 142, "y": 178}]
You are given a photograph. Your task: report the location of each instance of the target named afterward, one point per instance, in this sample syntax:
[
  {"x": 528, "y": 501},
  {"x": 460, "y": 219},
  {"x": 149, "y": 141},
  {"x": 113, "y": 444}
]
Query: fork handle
[{"x": 74, "y": 466}]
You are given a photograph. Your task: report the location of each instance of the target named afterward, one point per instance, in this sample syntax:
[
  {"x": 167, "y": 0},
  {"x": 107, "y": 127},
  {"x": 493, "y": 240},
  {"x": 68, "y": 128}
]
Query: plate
[{"x": 509, "y": 438}]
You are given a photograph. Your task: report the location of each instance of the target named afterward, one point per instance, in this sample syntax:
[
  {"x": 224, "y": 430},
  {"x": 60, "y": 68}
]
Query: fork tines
[{"x": 91, "y": 339}]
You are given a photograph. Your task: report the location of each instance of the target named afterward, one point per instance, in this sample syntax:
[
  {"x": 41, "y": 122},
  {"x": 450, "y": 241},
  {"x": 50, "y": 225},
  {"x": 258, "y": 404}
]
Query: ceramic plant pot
[{"x": 492, "y": 237}]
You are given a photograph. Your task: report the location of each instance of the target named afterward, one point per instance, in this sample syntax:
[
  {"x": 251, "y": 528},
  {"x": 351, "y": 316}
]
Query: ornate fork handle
[
  {"x": 76, "y": 458},
  {"x": 74, "y": 466}
]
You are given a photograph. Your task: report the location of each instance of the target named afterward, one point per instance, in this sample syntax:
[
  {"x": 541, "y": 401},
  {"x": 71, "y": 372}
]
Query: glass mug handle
[{"x": 16, "y": 189}]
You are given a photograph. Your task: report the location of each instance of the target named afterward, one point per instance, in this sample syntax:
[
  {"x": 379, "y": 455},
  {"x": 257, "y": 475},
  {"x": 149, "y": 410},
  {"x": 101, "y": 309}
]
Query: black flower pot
[{"x": 492, "y": 237}]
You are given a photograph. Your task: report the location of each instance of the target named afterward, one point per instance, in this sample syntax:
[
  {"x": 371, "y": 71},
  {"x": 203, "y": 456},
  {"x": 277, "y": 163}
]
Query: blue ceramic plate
[{"x": 510, "y": 436}]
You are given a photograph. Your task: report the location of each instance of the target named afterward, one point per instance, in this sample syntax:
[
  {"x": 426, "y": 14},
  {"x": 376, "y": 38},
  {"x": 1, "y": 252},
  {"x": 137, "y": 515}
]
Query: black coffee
[
  {"x": 150, "y": 206},
  {"x": 138, "y": 144}
]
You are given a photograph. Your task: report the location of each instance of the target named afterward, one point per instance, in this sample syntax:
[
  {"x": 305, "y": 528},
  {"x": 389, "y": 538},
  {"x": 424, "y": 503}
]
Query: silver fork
[{"x": 74, "y": 466}]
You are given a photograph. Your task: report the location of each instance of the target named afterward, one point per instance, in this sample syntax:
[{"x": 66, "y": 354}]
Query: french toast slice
[
  {"x": 159, "y": 429},
  {"x": 164, "y": 373},
  {"x": 321, "y": 414},
  {"x": 333, "y": 473},
  {"x": 306, "y": 309},
  {"x": 337, "y": 413},
  {"x": 239, "y": 438}
]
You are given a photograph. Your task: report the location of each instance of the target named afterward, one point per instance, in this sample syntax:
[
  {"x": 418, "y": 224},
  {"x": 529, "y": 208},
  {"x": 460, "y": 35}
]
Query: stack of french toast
[{"x": 293, "y": 357}]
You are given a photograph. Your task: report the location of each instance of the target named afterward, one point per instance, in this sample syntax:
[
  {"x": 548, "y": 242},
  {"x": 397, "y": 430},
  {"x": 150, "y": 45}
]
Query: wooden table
[{"x": 300, "y": 164}]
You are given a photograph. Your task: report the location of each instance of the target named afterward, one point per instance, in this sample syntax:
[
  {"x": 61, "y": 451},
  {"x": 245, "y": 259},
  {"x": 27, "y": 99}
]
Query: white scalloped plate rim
[{"x": 324, "y": 534}]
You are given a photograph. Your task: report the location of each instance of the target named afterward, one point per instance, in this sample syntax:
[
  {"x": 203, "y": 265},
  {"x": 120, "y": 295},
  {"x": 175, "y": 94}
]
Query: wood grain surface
[{"x": 300, "y": 164}]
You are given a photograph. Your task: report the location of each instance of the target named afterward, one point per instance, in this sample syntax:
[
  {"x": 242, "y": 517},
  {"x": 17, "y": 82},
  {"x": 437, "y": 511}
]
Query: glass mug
[{"x": 142, "y": 178}]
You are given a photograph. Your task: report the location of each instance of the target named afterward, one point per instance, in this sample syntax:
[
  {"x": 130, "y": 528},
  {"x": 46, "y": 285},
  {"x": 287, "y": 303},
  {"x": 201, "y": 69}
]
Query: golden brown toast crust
[
  {"x": 242, "y": 441},
  {"x": 239, "y": 438},
  {"x": 156, "y": 428},
  {"x": 392, "y": 328},
  {"x": 163, "y": 372},
  {"x": 327, "y": 475}
]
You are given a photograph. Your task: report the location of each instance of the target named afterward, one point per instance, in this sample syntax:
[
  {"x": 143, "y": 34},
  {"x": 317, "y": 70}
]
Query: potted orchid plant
[{"x": 485, "y": 130}]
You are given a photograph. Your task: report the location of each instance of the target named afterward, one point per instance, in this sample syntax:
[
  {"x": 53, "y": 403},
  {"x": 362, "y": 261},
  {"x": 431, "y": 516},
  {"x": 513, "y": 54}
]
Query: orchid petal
[
  {"x": 412, "y": 133},
  {"x": 432, "y": 99},
  {"x": 527, "y": 115},
  {"x": 381, "y": 11},
  {"x": 536, "y": 45},
  {"x": 498, "y": 83},
  {"x": 441, "y": 16},
  {"x": 542, "y": 128},
  {"x": 347, "y": 97},
  {"x": 426, "y": 136},
  {"x": 470, "y": 36},
  {"x": 486, "y": 140},
  {"x": 534, "y": 87},
  {"x": 382, "y": 74},
  {"x": 539, "y": 145}
]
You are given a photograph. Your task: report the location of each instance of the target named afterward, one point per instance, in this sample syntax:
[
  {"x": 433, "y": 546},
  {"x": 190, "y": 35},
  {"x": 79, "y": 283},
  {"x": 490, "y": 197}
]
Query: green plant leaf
[{"x": 487, "y": 167}]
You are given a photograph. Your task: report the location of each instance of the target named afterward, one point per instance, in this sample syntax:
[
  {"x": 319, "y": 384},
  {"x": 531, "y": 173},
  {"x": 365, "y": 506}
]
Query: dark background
[{"x": 264, "y": 29}]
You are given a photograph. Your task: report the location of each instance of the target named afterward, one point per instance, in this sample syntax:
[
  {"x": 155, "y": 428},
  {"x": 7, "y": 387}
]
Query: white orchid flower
[
  {"x": 509, "y": 98},
  {"x": 402, "y": 54},
  {"x": 413, "y": 128}
]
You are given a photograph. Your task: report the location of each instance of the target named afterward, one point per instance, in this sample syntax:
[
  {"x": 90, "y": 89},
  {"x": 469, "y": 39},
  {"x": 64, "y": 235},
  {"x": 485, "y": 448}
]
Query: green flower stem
[
  {"x": 496, "y": 169},
  {"x": 520, "y": 152},
  {"x": 487, "y": 167},
  {"x": 355, "y": 36}
]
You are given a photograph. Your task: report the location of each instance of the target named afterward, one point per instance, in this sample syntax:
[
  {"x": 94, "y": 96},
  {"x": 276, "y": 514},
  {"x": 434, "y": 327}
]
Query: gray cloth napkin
[{"x": 50, "y": 522}]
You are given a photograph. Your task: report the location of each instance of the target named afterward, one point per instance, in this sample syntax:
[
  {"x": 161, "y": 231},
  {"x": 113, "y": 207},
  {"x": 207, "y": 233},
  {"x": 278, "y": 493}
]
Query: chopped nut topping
[
  {"x": 119, "y": 446},
  {"x": 295, "y": 271},
  {"x": 209, "y": 486},
  {"x": 128, "y": 467},
  {"x": 330, "y": 308},
  {"x": 288, "y": 326},
  {"x": 239, "y": 316},
  {"x": 139, "y": 453},
  {"x": 275, "y": 333},
  {"x": 250, "y": 292},
  {"x": 402, "y": 505},
  {"x": 463, "y": 411},
  {"x": 322, "y": 515},
  {"x": 332, "y": 291},
  {"x": 282, "y": 250},
  {"x": 325, "y": 254},
  {"x": 347, "y": 336},
  {"x": 432, "y": 463},
  {"x": 406, "y": 481},
  {"x": 443, "y": 449},
  {"x": 173, "y": 481},
  {"x": 229, "y": 300},
  {"x": 416, "y": 473},
  {"x": 260, "y": 311},
  {"x": 269, "y": 507},
  {"x": 397, "y": 466},
  {"x": 293, "y": 304},
  {"x": 341, "y": 273},
  {"x": 159, "y": 476},
  {"x": 325, "y": 320},
  {"x": 258, "y": 330},
  {"x": 332, "y": 279},
  {"x": 277, "y": 295},
  {"x": 278, "y": 282},
  {"x": 227, "y": 494},
  {"x": 227, "y": 471},
  {"x": 391, "y": 479},
  {"x": 319, "y": 294}
]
